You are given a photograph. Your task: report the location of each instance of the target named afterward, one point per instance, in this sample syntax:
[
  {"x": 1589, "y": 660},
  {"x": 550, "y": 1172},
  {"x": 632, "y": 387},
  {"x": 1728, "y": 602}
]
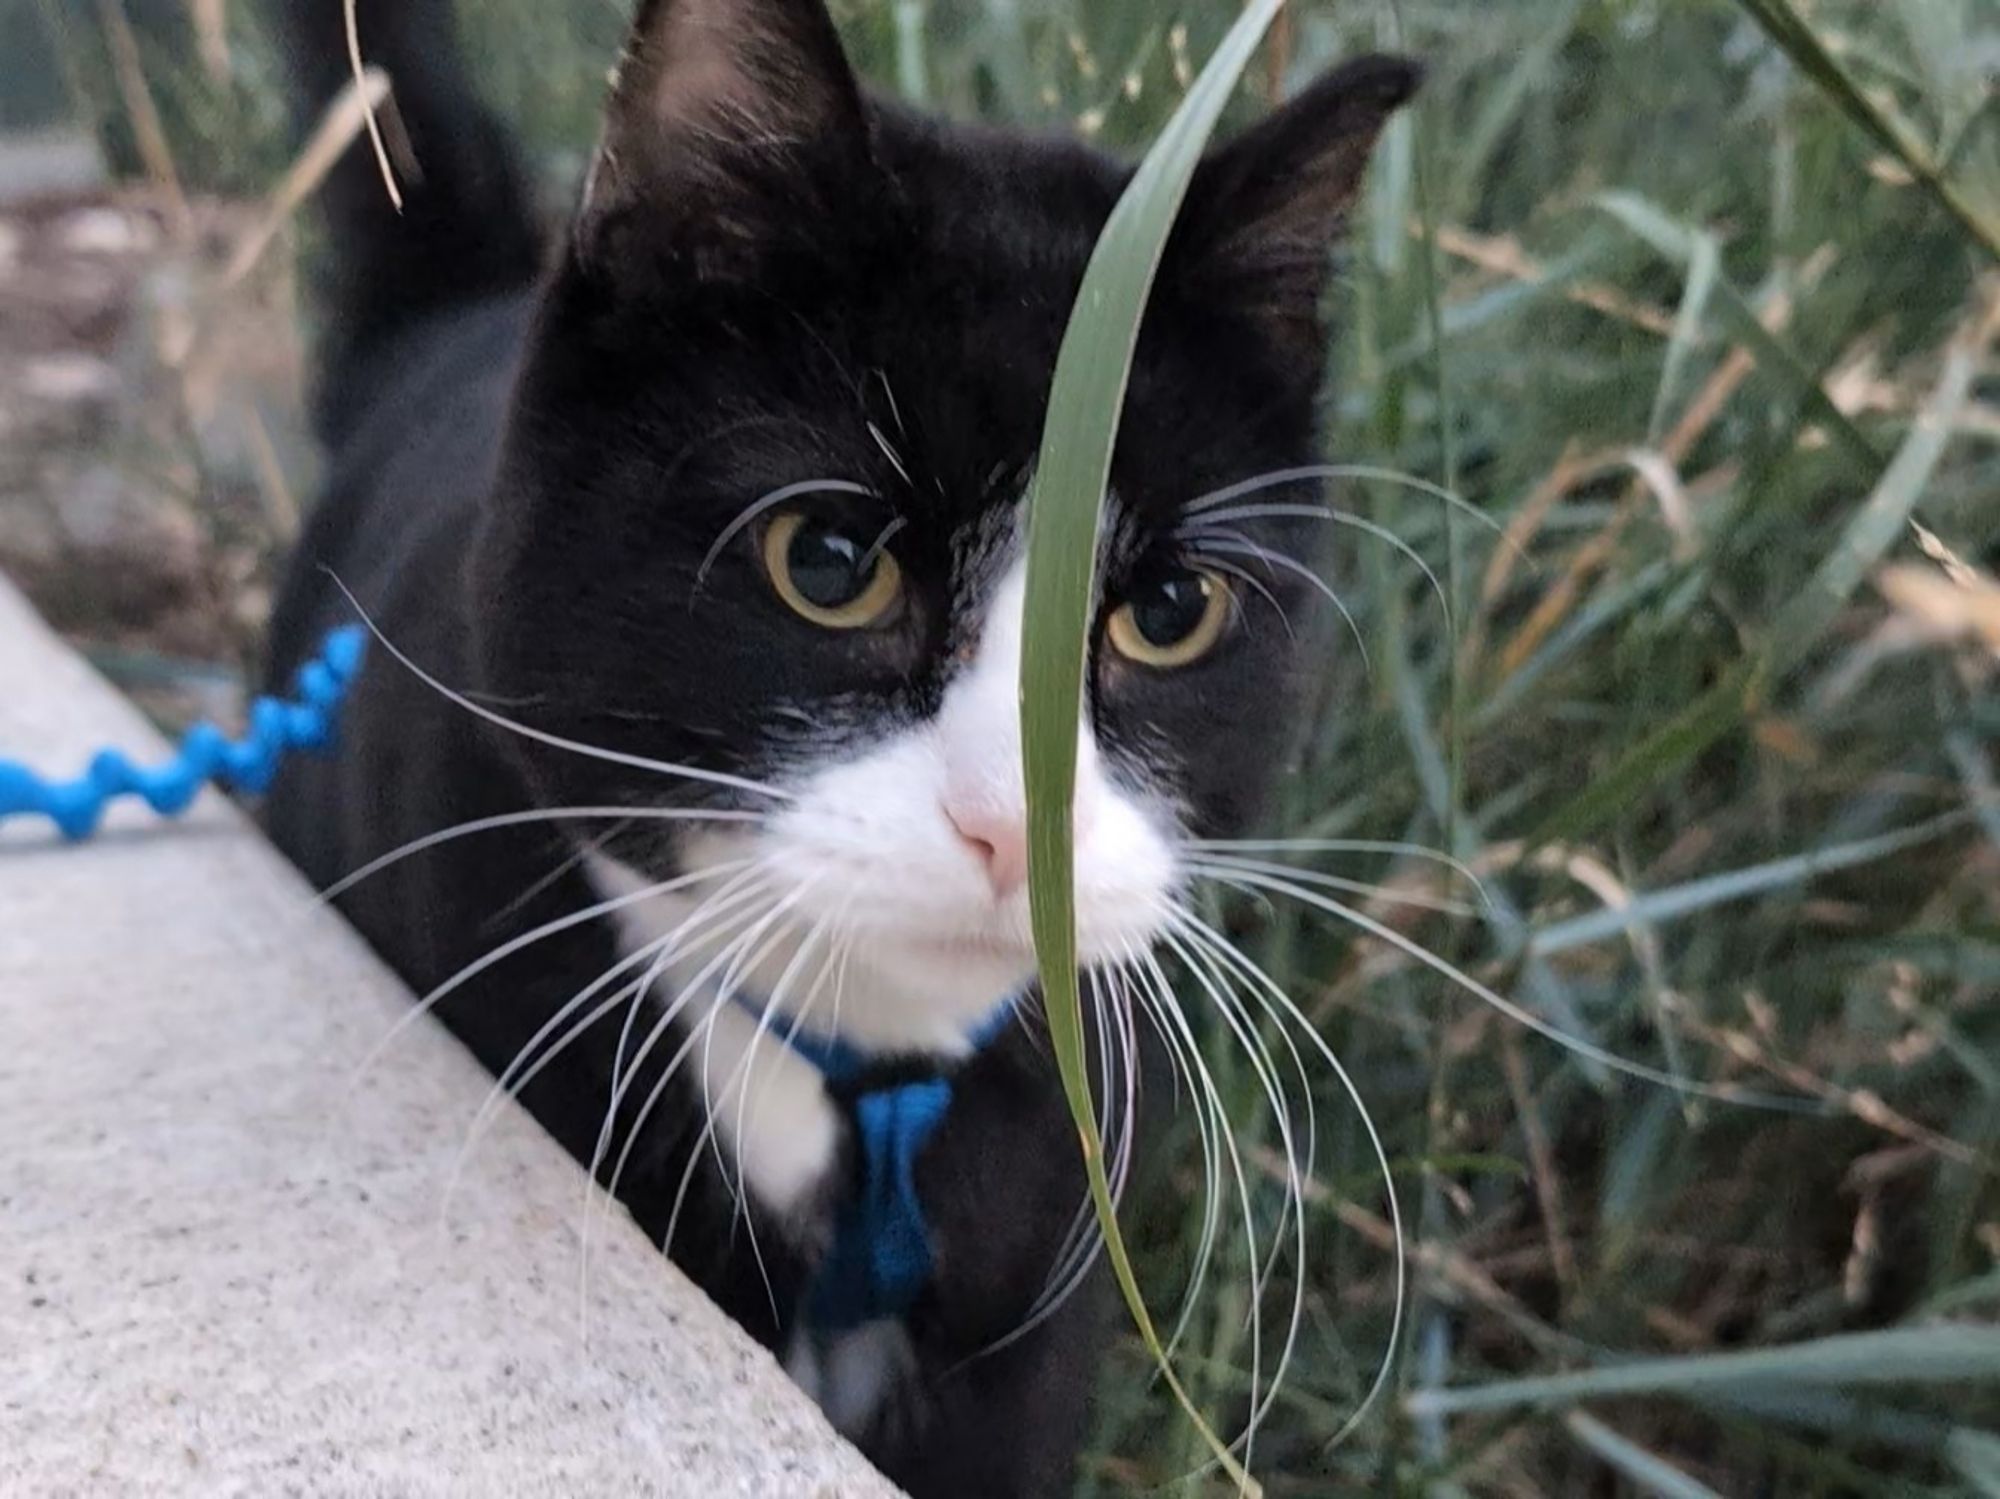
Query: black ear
[
  {"x": 731, "y": 123},
  {"x": 1265, "y": 208}
]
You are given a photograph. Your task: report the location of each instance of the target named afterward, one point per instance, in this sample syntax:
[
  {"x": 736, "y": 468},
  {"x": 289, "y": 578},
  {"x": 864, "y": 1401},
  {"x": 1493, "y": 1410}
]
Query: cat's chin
[{"x": 973, "y": 947}]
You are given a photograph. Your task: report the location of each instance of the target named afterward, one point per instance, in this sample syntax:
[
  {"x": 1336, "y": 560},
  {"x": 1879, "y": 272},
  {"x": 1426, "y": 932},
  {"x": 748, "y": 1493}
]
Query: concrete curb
[{"x": 223, "y": 1264}]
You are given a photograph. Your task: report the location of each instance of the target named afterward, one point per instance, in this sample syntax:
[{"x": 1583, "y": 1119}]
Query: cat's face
[{"x": 763, "y": 507}]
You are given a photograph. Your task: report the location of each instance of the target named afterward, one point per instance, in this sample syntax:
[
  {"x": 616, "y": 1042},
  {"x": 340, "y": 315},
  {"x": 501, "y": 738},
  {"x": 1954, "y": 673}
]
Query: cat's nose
[{"x": 998, "y": 839}]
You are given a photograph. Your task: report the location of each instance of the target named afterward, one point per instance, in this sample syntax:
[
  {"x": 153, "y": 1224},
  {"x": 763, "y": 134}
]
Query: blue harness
[{"x": 880, "y": 1258}]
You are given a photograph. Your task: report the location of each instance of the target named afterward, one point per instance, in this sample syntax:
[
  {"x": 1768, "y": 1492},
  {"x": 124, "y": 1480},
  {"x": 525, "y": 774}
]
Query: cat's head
[{"x": 762, "y": 509}]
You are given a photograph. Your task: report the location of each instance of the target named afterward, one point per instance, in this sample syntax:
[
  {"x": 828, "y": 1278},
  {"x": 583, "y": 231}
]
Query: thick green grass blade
[
  {"x": 1657, "y": 907},
  {"x": 1086, "y": 400},
  {"x": 1782, "y": 22},
  {"x": 1976, "y": 1455},
  {"x": 1651, "y": 1473},
  {"x": 1906, "y": 1355}
]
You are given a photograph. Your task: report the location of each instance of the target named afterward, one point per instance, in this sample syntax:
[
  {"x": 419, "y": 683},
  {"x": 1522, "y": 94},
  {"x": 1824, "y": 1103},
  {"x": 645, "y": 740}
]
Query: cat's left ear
[
  {"x": 733, "y": 129},
  {"x": 1266, "y": 207}
]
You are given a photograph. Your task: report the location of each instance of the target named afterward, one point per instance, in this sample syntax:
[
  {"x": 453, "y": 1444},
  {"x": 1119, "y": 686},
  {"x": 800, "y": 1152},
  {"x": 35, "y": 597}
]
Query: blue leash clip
[{"x": 278, "y": 726}]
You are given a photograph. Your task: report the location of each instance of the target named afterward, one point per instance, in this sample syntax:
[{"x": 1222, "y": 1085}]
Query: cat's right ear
[{"x": 733, "y": 126}]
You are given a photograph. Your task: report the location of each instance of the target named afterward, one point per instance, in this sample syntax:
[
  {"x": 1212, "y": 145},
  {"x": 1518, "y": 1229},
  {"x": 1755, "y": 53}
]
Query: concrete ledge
[{"x": 224, "y": 1270}]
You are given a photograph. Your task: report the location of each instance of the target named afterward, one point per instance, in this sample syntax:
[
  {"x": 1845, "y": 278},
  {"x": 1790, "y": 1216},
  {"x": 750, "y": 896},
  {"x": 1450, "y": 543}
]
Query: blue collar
[{"x": 880, "y": 1259}]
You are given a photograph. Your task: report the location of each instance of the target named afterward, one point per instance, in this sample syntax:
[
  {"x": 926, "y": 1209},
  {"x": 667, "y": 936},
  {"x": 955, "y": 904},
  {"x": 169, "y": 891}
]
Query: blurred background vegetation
[{"x": 1697, "y": 301}]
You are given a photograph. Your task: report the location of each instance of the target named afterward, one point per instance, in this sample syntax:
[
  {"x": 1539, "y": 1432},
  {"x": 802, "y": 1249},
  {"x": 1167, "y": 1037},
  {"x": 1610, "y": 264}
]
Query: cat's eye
[
  {"x": 1171, "y": 620},
  {"x": 829, "y": 574}
]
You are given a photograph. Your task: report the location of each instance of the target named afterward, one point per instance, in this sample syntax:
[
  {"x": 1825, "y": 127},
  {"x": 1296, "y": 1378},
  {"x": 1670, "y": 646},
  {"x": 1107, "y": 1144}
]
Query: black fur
[{"x": 525, "y": 479}]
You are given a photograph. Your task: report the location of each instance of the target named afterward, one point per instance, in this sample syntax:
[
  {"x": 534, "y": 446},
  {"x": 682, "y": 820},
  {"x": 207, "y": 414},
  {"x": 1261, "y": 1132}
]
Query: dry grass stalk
[
  {"x": 1503, "y": 256},
  {"x": 147, "y": 130},
  {"x": 368, "y": 111},
  {"x": 1708, "y": 404},
  {"x": 344, "y": 119}
]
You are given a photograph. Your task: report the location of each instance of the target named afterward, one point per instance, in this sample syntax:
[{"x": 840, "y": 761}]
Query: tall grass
[{"x": 1696, "y": 302}]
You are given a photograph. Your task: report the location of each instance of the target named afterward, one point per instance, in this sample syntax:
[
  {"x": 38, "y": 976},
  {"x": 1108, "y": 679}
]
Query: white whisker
[
  {"x": 1216, "y": 866},
  {"x": 517, "y": 819},
  {"x": 729, "y": 957},
  {"x": 1343, "y": 846},
  {"x": 1365, "y": 472},
  {"x": 1237, "y": 544},
  {"x": 1240, "y": 1026},
  {"x": 1261, "y": 981},
  {"x": 1338, "y": 518},
  {"x": 543, "y": 736},
  {"x": 1720, "y": 1092},
  {"x": 769, "y": 501},
  {"x": 506, "y": 950},
  {"x": 522, "y": 1071}
]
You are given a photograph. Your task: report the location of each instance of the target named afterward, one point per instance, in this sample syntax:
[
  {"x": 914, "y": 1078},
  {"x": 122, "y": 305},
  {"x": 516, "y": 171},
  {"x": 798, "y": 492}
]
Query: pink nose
[{"x": 999, "y": 840}]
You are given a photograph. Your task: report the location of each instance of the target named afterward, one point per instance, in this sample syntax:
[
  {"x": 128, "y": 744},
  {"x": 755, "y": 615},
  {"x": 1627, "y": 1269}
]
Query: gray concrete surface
[{"x": 223, "y": 1264}]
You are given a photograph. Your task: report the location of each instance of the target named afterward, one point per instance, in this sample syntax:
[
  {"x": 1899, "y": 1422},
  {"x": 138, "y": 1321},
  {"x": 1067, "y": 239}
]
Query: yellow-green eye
[
  {"x": 1172, "y": 620},
  {"x": 828, "y": 574}
]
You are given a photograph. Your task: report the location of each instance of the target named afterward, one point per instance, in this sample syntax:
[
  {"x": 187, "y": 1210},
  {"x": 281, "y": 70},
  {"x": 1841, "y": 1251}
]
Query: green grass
[{"x": 1695, "y": 299}]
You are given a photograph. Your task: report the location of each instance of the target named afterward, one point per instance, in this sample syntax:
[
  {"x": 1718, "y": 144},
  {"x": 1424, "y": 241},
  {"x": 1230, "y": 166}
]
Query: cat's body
[{"x": 558, "y": 499}]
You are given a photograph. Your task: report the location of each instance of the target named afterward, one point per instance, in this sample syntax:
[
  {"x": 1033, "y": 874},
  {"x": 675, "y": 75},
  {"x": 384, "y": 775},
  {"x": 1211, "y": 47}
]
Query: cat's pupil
[
  {"x": 829, "y": 567},
  {"x": 1168, "y": 610}
]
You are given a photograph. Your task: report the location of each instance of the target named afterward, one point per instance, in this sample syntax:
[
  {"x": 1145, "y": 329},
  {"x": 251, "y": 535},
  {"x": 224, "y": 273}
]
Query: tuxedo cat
[{"x": 700, "y": 538}]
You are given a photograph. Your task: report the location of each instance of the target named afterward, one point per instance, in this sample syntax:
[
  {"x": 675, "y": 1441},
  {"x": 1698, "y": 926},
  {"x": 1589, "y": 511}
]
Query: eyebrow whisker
[{"x": 777, "y": 497}]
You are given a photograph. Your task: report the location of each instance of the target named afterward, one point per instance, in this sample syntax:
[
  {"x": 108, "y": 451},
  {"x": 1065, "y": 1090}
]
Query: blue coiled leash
[{"x": 278, "y": 726}]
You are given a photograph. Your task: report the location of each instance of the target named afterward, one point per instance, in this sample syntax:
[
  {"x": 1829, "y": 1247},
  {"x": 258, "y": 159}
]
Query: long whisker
[
  {"x": 728, "y": 955},
  {"x": 775, "y": 498},
  {"x": 1212, "y": 1127},
  {"x": 1229, "y": 953},
  {"x": 575, "y": 858},
  {"x": 1203, "y": 945},
  {"x": 1338, "y": 518},
  {"x": 1361, "y": 471},
  {"x": 1236, "y": 543},
  {"x": 529, "y": 1061},
  {"x": 1215, "y": 866},
  {"x": 739, "y": 1080},
  {"x": 775, "y": 1003},
  {"x": 747, "y": 887},
  {"x": 1232, "y": 1157},
  {"x": 1239, "y": 571},
  {"x": 1080, "y": 1246},
  {"x": 1343, "y": 846},
  {"x": 702, "y": 1031},
  {"x": 1723, "y": 1093},
  {"x": 506, "y": 950},
  {"x": 730, "y": 962},
  {"x": 543, "y": 736},
  {"x": 1274, "y": 1093},
  {"x": 725, "y": 990},
  {"x": 516, "y": 819},
  {"x": 835, "y": 954}
]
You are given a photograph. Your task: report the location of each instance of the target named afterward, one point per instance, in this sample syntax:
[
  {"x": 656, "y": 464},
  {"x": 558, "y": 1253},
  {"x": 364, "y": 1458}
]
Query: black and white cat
[{"x": 715, "y": 521}]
